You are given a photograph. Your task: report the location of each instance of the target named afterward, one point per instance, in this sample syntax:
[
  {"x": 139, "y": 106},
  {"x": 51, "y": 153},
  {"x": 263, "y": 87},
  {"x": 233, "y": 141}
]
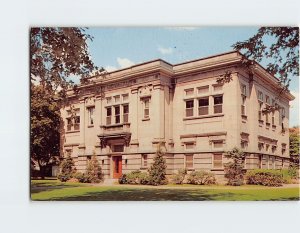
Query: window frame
[
  {"x": 190, "y": 108},
  {"x": 91, "y": 111},
  {"x": 214, "y": 161},
  {"x": 204, "y": 106},
  {"x": 189, "y": 164},
  {"x": 217, "y": 105}
]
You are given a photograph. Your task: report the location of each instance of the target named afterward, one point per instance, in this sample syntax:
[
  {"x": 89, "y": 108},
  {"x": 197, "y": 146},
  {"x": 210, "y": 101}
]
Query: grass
[{"x": 50, "y": 190}]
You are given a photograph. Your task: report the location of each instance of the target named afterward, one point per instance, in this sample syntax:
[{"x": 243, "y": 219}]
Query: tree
[
  {"x": 94, "y": 172},
  {"x": 234, "y": 168},
  {"x": 283, "y": 53},
  {"x": 67, "y": 169},
  {"x": 157, "y": 171},
  {"x": 294, "y": 146},
  {"x": 45, "y": 128},
  {"x": 56, "y": 53}
]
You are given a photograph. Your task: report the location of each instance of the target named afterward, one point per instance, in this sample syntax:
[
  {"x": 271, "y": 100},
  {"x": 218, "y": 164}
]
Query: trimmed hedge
[
  {"x": 134, "y": 177},
  {"x": 201, "y": 178}
]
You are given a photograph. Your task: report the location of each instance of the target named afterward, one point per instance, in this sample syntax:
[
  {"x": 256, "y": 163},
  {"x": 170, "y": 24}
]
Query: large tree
[
  {"x": 294, "y": 145},
  {"x": 55, "y": 55},
  {"x": 279, "y": 46},
  {"x": 45, "y": 127}
]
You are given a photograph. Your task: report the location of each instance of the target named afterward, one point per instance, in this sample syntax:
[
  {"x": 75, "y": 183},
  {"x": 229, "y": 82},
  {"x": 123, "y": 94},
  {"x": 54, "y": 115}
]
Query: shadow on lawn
[
  {"x": 44, "y": 186},
  {"x": 148, "y": 195}
]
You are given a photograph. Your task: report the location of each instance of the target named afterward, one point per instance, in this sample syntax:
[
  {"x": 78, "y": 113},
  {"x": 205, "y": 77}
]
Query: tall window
[
  {"x": 91, "y": 111},
  {"x": 217, "y": 161},
  {"x": 108, "y": 116},
  {"x": 244, "y": 90},
  {"x": 144, "y": 160},
  {"x": 243, "y": 107},
  {"x": 218, "y": 102},
  {"x": 117, "y": 114},
  {"x": 189, "y": 108},
  {"x": 260, "y": 112},
  {"x": 189, "y": 161},
  {"x": 69, "y": 124},
  {"x": 203, "y": 106},
  {"x": 77, "y": 123},
  {"x": 125, "y": 113},
  {"x": 146, "y": 108},
  {"x": 268, "y": 101},
  {"x": 260, "y": 96},
  {"x": 273, "y": 118},
  {"x": 267, "y": 118}
]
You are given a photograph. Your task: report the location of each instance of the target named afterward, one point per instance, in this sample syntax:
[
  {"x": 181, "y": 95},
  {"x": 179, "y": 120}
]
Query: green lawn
[{"x": 55, "y": 190}]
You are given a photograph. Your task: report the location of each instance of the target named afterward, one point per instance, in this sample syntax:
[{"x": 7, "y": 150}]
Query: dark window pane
[
  {"x": 117, "y": 110},
  {"x": 126, "y": 109},
  {"x": 203, "y": 102},
  {"x": 108, "y": 111},
  {"x": 218, "y": 99},
  {"x": 189, "y": 104}
]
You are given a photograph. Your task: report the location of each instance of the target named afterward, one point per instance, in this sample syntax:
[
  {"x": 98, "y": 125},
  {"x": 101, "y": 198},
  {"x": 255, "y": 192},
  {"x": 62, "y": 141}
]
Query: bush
[
  {"x": 293, "y": 172},
  {"x": 66, "y": 169},
  {"x": 81, "y": 177},
  {"x": 234, "y": 170},
  {"x": 157, "y": 172},
  {"x": 134, "y": 177},
  {"x": 179, "y": 177},
  {"x": 94, "y": 172},
  {"x": 201, "y": 177},
  {"x": 265, "y": 177}
]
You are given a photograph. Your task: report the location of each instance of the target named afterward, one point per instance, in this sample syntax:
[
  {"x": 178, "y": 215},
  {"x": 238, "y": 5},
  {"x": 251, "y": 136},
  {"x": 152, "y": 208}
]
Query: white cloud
[
  {"x": 182, "y": 28},
  {"x": 110, "y": 68},
  {"x": 124, "y": 62},
  {"x": 165, "y": 50},
  {"x": 294, "y": 110}
]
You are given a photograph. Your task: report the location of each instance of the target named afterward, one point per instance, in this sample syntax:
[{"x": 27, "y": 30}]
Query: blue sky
[{"x": 115, "y": 48}]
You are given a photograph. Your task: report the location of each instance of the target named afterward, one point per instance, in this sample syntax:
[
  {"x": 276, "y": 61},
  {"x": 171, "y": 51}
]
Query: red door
[{"x": 117, "y": 166}]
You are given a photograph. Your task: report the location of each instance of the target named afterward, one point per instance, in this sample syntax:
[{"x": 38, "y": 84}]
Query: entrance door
[{"x": 117, "y": 166}]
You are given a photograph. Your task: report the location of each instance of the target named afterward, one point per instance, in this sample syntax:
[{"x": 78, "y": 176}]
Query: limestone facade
[{"x": 123, "y": 115}]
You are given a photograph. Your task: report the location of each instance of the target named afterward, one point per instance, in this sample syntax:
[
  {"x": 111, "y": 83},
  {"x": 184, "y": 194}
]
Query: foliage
[
  {"x": 66, "y": 169},
  {"x": 201, "y": 177},
  {"x": 294, "y": 146},
  {"x": 57, "y": 53},
  {"x": 178, "y": 178},
  {"x": 157, "y": 171},
  {"x": 293, "y": 172},
  {"x": 44, "y": 128},
  {"x": 283, "y": 53},
  {"x": 134, "y": 177},
  {"x": 94, "y": 172},
  {"x": 234, "y": 168},
  {"x": 265, "y": 177},
  {"x": 81, "y": 177}
]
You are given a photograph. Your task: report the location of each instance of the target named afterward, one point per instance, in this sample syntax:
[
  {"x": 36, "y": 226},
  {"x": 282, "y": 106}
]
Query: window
[
  {"x": 243, "y": 106},
  {"x": 77, "y": 122},
  {"x": 283, "y": 149},
  {"x": 146, "y": 108},
  {"x": 283, "y": 112},
  {"x": 217, "y": 144},
  {"x": 125, "y": 97},
  {"x": 218, "y": 102},
  {"x": 267, "y": 118},
  {"x": 189, "y": 92},
  {"x": 244, "y": 144},
  {"x": 244, "y": 90},
  {"x": 260, "y": 96},
  {"x": 91, "y": 115},
  {"x": 260, "y": 112},
  {"x": 125, "y": 113},
  {"x": 217, "y": 161},
  {"x": 268, "y": 100},
  {"x": 189, "y": 108},
  {"x": 118, "y": 148},
  {"x": 108, "y": 100},
  {"x": 69, "y": 124},
  {"x": 274, "y": 149},
  {"x": 273, "y": 118},
  {"x": 189, "y": 146},
  {"x": 203, "y": 90},
  {"x": 144, "y": 160},
  {"x": 203, "y": 106},
  {"x": 117, "y": 98},
  {"x": 117, "y": 114},
  {"x": 267, "y": 147},
  {"x": 108, "y": 116},
  {"x": 260, "y": 145},
  {"x": 189, "y": 161},
  {"x": 218, "y": 87}
]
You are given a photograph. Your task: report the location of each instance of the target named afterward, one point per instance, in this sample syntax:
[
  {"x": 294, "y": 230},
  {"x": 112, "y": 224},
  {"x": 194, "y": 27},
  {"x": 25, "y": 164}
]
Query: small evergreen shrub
[
  {"x": 234, "y": 170},
  {"x": 265, "y": 177},
  {"x": 293, "y": 172},
  {"x": 201, "y": 178},
  {"x": 94, "y": 172},
  {"x": 66, "y": 169},
  {"x": 179, "y": 177},
  {"x": 157, "y": 171},
  {"x": 123, "y": 179}
]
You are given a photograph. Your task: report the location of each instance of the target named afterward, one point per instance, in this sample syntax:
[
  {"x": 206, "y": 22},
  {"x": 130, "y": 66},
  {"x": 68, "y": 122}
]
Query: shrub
[
  {"x": 134, "y": 177},
  {"x": 234, "y": 170},
  {"x": 94, "y": 172},
  {"x": 157, "y": 172},
  {"x": 293, "y": 172},
  {"x": 265, "y": 177},
  {"x": 179, "y": 177},
  {"x": 66, "y": 169},
  {"x": 201, "y": 177},
  {"x": 81, "y": 177}
]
